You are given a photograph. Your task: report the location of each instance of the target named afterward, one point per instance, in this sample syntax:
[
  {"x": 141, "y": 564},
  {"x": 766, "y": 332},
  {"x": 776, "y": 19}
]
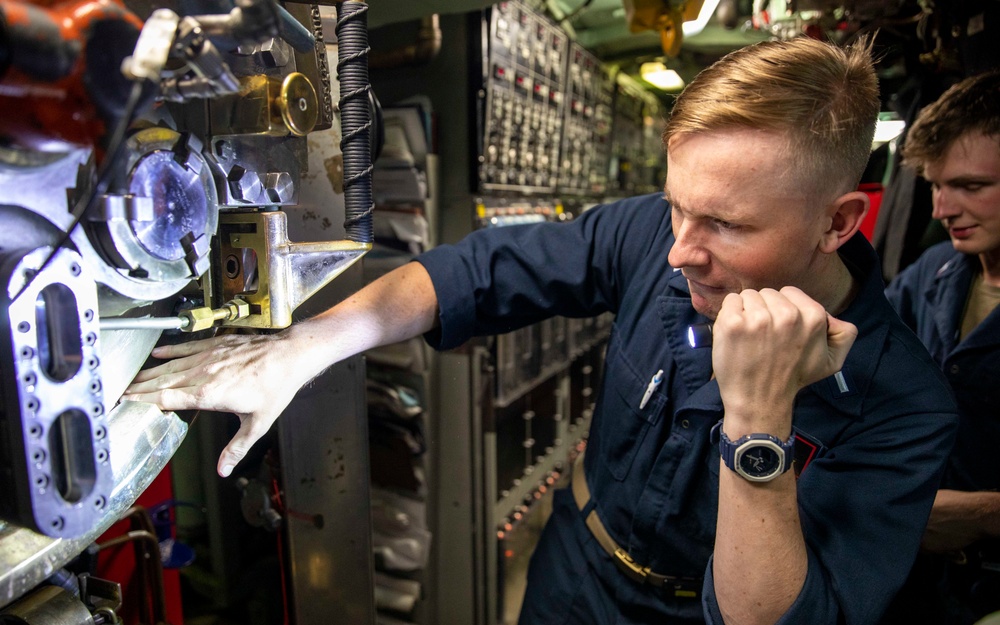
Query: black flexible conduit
[{"x": 355, "y": 118}]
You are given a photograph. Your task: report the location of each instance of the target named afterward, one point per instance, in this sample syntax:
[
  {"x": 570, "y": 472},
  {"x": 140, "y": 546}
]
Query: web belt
[{"x": 681, "y": 587}]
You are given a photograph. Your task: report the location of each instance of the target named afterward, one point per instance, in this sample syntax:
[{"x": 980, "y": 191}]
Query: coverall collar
[{"x": 947, "y": 296}]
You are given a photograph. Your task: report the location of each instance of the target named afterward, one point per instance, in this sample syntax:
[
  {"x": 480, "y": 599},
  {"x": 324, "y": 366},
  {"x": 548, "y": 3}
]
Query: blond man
[{"x": 784, "y": 475}]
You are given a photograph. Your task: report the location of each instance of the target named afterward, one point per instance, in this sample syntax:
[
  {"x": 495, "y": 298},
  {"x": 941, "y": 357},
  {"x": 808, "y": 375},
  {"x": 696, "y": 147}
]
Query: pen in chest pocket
[{"x": 653, "y": 383}]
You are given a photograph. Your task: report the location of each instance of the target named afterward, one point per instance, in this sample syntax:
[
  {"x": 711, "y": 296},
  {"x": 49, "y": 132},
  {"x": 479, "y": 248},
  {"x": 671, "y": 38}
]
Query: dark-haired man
[{"x": 950, "y": 298}]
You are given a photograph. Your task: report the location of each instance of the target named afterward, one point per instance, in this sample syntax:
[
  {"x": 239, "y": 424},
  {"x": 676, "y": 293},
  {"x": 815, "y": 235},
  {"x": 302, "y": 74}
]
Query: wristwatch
[{"x": 755, "y": 457}]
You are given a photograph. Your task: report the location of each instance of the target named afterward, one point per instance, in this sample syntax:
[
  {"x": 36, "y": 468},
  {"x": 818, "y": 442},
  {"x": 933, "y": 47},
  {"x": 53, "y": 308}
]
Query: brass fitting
[
  {"x": 203, "y": 318},
  {"x": 238, "y": 309},
  {"x": 197, "y": 319}
]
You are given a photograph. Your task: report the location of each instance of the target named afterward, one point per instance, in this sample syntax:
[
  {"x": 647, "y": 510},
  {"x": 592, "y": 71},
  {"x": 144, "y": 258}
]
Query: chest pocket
[{"x": 623, "y": 425}]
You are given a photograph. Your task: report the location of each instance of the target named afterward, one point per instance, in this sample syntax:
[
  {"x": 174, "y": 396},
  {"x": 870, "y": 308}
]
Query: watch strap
[{"x": 728, "y": 447}]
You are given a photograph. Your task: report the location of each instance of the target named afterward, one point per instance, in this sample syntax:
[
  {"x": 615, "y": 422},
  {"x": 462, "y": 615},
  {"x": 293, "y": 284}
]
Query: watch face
[{"x": 758, "y": 459}]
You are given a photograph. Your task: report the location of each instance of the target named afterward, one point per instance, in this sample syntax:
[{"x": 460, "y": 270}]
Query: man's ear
[{"x": 846, "y": 214}]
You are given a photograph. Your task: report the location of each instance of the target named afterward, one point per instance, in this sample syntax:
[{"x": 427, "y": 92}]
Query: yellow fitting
[
  {"x": 198, "y": 319},
  {"x": 238, "y": 309}
]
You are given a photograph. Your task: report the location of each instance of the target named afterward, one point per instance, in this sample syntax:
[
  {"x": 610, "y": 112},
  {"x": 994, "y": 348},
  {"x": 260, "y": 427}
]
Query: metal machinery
[{"x": 150, "y": 161}]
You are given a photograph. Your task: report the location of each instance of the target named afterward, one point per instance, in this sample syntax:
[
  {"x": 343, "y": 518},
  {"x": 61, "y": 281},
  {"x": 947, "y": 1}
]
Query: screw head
[
  {"x": 244, "y": 185},
  {"x": 279, "y": 186}
]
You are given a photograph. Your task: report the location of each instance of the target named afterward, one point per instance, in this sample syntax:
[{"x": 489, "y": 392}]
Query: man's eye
[{"x": 725, "y": 225}]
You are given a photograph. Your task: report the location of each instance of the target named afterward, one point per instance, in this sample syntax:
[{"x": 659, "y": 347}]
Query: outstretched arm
[{"x": 256, "y": 376}]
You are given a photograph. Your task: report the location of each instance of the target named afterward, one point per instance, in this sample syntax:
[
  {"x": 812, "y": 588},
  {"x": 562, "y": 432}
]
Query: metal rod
[{"x": 143, "y": 323}]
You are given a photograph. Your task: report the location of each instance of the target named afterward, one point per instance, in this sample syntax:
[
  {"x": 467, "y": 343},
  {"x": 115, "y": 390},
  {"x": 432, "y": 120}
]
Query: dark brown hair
[{"x": 969, "y": 106}]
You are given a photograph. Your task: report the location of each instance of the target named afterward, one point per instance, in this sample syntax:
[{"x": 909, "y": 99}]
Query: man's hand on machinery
[
  {"x": 242, "y": 374},
  {"x": 256, "y": 376},
  {"x": 767, "y": 346}
]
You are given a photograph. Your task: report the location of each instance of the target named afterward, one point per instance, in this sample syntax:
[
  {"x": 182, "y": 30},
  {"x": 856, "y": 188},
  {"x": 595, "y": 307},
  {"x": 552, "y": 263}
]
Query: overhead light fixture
[
  {"x": 696, "y": 25},
  {"x": 661, "y": 77}
]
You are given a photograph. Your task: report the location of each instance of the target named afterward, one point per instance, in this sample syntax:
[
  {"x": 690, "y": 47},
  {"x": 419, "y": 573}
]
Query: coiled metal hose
[{"x": 355, "y": 118}]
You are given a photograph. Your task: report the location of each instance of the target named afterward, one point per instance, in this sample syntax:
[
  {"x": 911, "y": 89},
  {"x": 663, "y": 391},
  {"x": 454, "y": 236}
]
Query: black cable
[
  {"x": 355, "y": 119},
  {"x": 84, "y": 204}
]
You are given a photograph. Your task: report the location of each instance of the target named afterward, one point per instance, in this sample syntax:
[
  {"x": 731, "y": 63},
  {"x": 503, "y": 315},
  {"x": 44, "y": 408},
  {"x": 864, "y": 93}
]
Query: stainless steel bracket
[{"x": 258, "y": 264}]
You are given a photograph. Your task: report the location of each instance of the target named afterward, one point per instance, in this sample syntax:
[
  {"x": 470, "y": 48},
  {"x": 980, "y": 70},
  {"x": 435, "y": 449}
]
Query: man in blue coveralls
[
  {"x": 685, "y": 510},
  {"x": 951, "y": 299}
]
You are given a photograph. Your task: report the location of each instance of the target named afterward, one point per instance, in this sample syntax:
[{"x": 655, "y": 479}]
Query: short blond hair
[{"x": 823, "y": 98}]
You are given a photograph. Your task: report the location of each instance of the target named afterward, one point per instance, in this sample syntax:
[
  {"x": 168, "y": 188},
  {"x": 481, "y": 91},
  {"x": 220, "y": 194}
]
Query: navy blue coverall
[
  {"x": 930, "y": 296},
  {"x": 870, "y": 456}
]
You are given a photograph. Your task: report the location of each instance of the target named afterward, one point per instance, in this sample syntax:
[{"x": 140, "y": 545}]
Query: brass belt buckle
[{"x": 630, "y": 567}]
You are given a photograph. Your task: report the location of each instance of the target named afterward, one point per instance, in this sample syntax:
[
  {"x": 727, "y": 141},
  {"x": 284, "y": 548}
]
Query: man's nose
[
  {"x": 944, "y": 204},
  {"x": 689, "y": 248}
]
